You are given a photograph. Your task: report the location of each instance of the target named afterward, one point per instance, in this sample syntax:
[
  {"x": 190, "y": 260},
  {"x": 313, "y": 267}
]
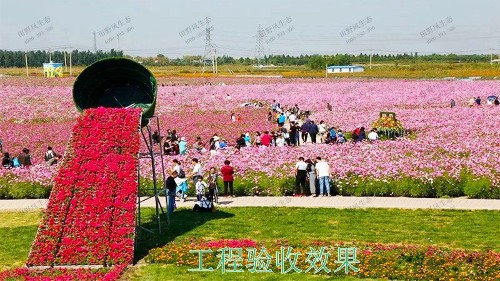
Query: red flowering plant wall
[{"x": 90, "y": 217}]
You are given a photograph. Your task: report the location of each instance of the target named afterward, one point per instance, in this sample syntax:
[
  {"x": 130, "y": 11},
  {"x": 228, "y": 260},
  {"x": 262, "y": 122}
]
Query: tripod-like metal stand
[{"x": 158, "y": 189}]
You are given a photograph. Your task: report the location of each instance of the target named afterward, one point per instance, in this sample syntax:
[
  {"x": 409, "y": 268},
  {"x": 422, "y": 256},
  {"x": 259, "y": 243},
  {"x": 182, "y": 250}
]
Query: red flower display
[{"x": 90, "y": 217}]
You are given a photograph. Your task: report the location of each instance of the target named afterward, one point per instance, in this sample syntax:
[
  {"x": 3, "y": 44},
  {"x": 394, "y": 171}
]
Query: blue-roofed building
[{"x": 345, "y": 68}]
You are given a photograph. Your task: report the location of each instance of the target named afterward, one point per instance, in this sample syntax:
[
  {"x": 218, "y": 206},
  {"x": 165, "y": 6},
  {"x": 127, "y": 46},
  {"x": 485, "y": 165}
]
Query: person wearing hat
[
  {"x": 183, "y": 146},
  {"x": 214, "y": 145}
]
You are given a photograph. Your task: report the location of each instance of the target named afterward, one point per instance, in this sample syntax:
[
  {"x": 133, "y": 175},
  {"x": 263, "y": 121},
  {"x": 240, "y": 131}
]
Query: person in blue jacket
[{"x": 313, "y": 131}]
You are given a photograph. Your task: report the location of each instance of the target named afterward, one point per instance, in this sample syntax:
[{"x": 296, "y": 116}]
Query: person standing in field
[
  {"x": 227, "y": 173},
  {"x": 212, "y": 182},
  {"x": 313, "y": 131},
  {"x": 323, "y": 173},
  {"x": 200, "y": 188},
  {"x": 171, "y": 186},
  {"x": 300, "y": 176},
  {"x": 311, "y": 175},
  {"x": 197, "y": 171},
  {"x": 305, "y": 131},
  {"x": 321, "y": 130},
  {"x": 292, "y": 118},
  {"x": 281, "y": 119},
  {"x": 293, "y": 134}
]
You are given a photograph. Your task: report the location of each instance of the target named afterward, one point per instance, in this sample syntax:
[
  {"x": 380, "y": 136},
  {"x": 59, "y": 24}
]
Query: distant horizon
[
  {"x": 495, "y": 56},
  {"x": 177, "y": 28}
]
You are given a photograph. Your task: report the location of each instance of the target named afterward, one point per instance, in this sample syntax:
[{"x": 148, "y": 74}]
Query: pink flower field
[{"x": 444, "y": 141}]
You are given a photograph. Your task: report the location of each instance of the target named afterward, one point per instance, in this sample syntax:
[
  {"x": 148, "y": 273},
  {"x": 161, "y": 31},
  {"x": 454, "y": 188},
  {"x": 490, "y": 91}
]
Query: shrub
[{"x": 479, "y": 188}]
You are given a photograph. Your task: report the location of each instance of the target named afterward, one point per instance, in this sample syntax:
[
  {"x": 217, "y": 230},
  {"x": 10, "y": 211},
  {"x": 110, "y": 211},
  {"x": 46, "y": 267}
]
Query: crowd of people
[
  {"x": 476, "y": 101},
  {"x": 312, "y": 177},
  {"x": 177, "y": 182}
]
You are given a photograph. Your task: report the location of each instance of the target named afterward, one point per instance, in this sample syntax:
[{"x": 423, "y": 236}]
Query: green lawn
[
  {"x": 17, "y": 231},
  {"x": 476, "y": 230}
]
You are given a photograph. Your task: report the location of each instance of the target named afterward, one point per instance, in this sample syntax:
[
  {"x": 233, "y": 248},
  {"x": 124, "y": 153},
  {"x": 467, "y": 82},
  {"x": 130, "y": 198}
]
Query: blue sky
[{"x": 149, "y": 27}]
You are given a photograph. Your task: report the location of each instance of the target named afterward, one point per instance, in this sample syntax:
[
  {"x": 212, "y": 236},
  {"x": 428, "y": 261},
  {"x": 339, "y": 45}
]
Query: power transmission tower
[
  {"x": 95, "y": 44},
  {"x": 209, "y": 53},
  {"x": 259, "y": 47}
]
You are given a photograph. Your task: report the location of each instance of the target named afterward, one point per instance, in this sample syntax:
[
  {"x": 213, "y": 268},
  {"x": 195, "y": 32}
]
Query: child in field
[{"x": 200, "y": 188}]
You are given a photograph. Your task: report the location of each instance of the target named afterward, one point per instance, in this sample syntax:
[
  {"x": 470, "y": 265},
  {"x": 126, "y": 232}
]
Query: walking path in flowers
[
  {"x": 90, "y": 215},
  {"x": 339, "y": 202}
]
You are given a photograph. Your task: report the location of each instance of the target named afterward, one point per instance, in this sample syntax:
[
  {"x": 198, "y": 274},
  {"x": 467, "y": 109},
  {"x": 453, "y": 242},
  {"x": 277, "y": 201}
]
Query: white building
[{"x": 345, "y": 68}]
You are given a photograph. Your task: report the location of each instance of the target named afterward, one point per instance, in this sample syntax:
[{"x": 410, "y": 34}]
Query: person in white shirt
[
  {"x": 321, "y": 130},
  {"x": 300, "y": 176},
  {"x": 214, "y": 145},
  {"x": 197, "y": 171},
  {"x": 323, "y": 173},
  {"x": 373, "y": 136},
  {"x": 50, "y": 156},
  {"x": 200, "y": 188},
  {"x": 280, "y": 140},
  {"x": 292, "y": 118}
]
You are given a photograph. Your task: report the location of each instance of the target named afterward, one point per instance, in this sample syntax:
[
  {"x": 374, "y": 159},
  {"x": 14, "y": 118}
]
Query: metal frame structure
[{"x": 147, "y": 136}]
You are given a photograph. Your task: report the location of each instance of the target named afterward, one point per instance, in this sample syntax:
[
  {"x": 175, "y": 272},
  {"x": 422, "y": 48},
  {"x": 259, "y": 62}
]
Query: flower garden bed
[
  {"x": 402, "y": 262},
  {"x": 90, "y": 217},
  {"x": 82, "y": 274},
  {"x": 441, "y": 145}
]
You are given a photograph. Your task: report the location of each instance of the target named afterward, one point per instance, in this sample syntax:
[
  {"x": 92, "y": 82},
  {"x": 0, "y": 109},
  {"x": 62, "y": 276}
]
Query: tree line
[
  {"x": 83, "y": 58},
  {"x": 37, "y": 58}
]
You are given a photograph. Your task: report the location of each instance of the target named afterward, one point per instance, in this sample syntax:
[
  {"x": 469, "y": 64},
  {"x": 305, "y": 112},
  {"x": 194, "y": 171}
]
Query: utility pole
[
  {"x": 209, "y": 51},
  {"x": 26, "y": 59},
  {"x": 259, "y": 47},
  {"x": 215, "y": 60},
  {"x": 65, "y": 62},
  {"x": 95, "y": 44},
  {"x": 70, "y": 69},
  {"x": 370, "y": 60}
]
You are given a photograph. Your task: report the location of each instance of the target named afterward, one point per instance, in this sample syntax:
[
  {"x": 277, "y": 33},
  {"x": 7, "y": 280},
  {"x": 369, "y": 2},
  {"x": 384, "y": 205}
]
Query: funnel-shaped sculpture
[{"x": 117, "y": 83}]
